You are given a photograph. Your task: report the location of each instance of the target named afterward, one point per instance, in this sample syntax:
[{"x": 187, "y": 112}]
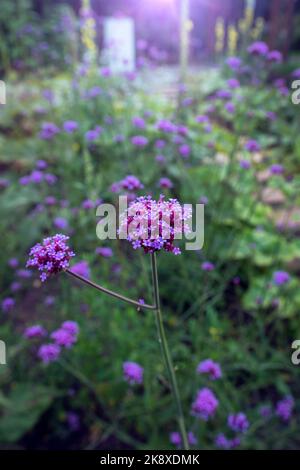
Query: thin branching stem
[{"x": 110, "y": 292}]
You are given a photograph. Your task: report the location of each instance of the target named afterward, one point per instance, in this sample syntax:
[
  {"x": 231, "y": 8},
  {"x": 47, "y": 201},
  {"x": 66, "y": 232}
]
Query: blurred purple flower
[
  {"x": 60, "y": 223},
  {"x": 24, "y": 273},
  {"x": 35, "y": 331},
  {"x": 252, "y": 146},
  {"x": 138, "y": 122},
  {"x": 36, "y": 176},
  {"x": 106, "y": 252},
  {"x": 94, "y": 92},
  {"x": 271, "y": 115},
  {"x": 41, "y": 164},
  {"x": 49, "y": 353},
  {"x": 296, "y": 73},
  {"x": 258, "y": 48},
  {"x": 165, "y": 125},
  {"x": 176, "y": 440},
  {"x": 71, "y": 327},
  {"x": 265, "y": 411},
  {"x": 284, "y": 408},
  {"x": 73, "y": 421},
  {"x": 208, "y": 366},
  {"x": 105, "y": 72},
  {"x": 48, "y": 131},
  {"x": 88, "y": 204},
  {"x": 184, "y": 150},
  {"x": 234, "y": 63},
  {"x": 13, "y": 263},
  {"x": 81, "y": 268},
  {"x": 160, "y": 158},
  {"x": 119, "y": 138},
  {"x": 139, "y": 141},
  {"x": 7, "y": 304},
  {"x": 202, "y": 119},
  {"x": 63, "y": 338},
  {"x": 133, "y": 373},
  {"x": 238, "y": 422},
  {"x": 4, "y": 183},
  {"x": 50, "y": 200},
  {"x": 15, "y": 286},
  {"x": 49, "y": 300},
  {"x": 160, "y": 144},
  {"x": 281, "y": 277},
  {"x": 70, "y": 126},
  {"x": 165, "y": 183},
  {"x": 207, "y": 266},
  {"x": 50, "y": 178},
  {"x": 245, "y": 164},
  {"x": 233, "y": 83},
  {"x": 230, "y": 107},
  {"x": 93, "y": 134},
  {"x": 276, "y": 169},
  {"x": 275, "y": 56},
  {"x": 205, "y": 404}
]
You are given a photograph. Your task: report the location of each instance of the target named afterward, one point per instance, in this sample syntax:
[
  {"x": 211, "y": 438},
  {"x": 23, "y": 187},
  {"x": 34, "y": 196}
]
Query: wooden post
[
  {"x": 288, "y": 26},
  {"x": 184, "y": 38},
  {"x": 281, "y": 24}
]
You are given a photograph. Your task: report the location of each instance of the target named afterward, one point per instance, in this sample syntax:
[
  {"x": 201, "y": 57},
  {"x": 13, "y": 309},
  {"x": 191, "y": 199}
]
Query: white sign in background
[{"x": 119, "y": 44}]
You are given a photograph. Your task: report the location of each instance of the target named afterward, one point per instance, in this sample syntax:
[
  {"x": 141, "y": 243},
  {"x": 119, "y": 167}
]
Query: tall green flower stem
[
  {"x": 161, "y": 335},
  {"x": 166, "y": 353}
]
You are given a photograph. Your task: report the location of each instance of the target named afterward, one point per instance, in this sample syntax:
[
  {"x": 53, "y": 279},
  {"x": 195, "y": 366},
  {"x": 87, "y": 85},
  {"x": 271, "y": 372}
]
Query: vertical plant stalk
[{"x": 166, "y": 353}]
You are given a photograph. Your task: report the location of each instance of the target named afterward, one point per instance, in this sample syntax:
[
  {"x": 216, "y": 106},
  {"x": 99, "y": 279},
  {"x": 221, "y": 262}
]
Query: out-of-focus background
[{"x": 196, "y": 100}]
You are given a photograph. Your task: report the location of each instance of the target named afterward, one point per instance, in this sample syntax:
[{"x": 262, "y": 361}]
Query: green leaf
[{"x": 22, "y": 410}]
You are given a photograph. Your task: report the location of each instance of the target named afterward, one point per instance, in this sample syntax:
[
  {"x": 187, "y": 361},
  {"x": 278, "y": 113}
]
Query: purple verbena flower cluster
[
  {"x": 50, "y": 257},
  {"x": 154, "y": 225}
]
